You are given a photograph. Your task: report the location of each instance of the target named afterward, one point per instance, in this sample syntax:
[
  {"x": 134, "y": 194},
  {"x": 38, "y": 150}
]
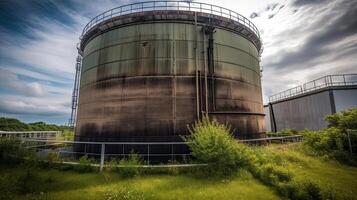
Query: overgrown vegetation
[
  {"x": 11, "y": 124},
  {"x": 334, "y": 141},
  {"x": 296, "y": 173},
  {"x": 129, "y": 167},
  {"x": 123, "y": 193},
  {"x": 284, "y": 132},
  {"x": 212, "y": 143}
]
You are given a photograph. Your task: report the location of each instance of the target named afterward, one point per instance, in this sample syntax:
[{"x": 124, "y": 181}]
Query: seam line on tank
[
  {"x": 118, "y": 61},
  {"x": 135, "y": 41}
]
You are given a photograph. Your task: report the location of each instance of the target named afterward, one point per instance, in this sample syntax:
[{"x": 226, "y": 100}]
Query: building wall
[
  {"x": 345, "y": 99},
  {"x": 309, "y": 111},
  {"x": 267, "y": 119}
]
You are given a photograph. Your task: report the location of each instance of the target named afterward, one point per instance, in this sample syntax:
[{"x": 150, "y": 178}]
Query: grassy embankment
[{"x": 56, "y": 184}]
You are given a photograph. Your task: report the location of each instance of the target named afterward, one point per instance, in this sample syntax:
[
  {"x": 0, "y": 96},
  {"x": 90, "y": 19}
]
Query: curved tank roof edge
[{"x": 170, "y": 16}]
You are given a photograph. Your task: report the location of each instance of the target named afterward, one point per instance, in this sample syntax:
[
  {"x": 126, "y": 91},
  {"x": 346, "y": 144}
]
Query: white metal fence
[
  {"x": 102, "y": 152},
  {"x": 30, "y": 134}
]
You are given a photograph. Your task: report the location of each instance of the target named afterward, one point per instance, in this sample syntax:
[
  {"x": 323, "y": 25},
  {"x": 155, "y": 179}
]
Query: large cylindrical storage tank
[{"x": 147, "y": 74}]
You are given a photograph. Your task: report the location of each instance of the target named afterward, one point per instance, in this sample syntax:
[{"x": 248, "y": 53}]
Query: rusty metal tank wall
[{"x": 138, "y": 83}]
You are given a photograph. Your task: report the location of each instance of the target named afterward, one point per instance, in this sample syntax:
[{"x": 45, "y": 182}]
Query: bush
[
  {"x": 8, "y": 186},
  {"x": 213, "y": 144},
  {"x": 329, "y": 143},
  {"x": 284, "y": 132},
  {"x": 127, "y": 167},
  {"x": 11, "y": 152},
  {"x": 84, "y": 164},
  {"x": 52, "y": 157},
  {"x": 271, "y": 174},
  {"x": 325, "y": 141},
  {"x": 9, "y": 149},
  {"x": 304, "y": 189},
  {"x": 343, "y": 120}
]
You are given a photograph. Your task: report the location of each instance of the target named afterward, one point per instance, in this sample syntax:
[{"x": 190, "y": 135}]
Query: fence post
[
  {"x": 172, "y": 152},
  {"x": 148, "y": 154},
  {"x": 102, "y": 157},
  {"x": 349, "y": 140}
]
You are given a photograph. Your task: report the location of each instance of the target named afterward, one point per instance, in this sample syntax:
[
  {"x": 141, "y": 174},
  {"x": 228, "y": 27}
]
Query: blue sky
[{"x": 303, "y": 40}]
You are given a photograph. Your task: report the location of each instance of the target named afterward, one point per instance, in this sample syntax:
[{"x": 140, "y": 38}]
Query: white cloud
[{"x": 47, "y": 59}]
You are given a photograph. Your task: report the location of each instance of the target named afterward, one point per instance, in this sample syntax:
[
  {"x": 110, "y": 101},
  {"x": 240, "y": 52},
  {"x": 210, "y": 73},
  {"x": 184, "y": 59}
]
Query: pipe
[
  {"x": 205, "y": 73},
  {"x": 196, "y": 65},
  {"x": 210, "y": 30},
  {"x": 174, "y": 79},
  {"x": 272, "y": 119}
]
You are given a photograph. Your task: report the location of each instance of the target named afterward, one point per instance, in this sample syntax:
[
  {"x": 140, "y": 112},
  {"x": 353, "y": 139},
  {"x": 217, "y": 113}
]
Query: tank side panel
[
  {"x": 238, "y": 84},
  {"x": 138, "y": 83}
]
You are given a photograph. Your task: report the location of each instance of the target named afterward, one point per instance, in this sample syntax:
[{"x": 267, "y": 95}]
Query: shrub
[
  {"x": 8, "y": 186},
  {"x": 52, "y": 157},
  {"x": 84, "y": 164},
  {"x": 271, "y": 174},
  {"x": 324, "y": 141},
  {"x": 284, "y": 132},
  {"x": 213, "y": 144},
  {"x": 130, "y": 167},
  {"x": 10, "y": 151},
  {"x": 304, "y": 189},
  {"x": 343, "y": 120}
]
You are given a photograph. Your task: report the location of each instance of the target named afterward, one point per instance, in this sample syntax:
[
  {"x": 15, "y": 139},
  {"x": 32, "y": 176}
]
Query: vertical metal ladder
[{"x": 75, "y": 94}]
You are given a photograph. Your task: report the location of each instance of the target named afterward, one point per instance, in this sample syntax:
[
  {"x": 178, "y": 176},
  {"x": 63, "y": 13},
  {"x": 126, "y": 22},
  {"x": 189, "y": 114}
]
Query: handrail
[
  {"x": 15, "y": 132},
  {"x": 319, "y": 83},
  {"x": 170, "y": 5}
]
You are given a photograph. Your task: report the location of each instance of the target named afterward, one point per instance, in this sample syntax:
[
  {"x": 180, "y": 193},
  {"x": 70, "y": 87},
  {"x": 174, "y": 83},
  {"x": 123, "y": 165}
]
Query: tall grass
[{"x": 212, "y": 143}]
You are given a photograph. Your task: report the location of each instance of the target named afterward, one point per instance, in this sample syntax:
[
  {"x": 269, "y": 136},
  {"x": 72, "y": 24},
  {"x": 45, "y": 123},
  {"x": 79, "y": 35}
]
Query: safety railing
[
  {"x": 30, "y": 134},
  {"x": 104, "y": 152},
  {"x": 171, "y": 5},
  {"x": 287, "y": 93},
  {"x": 323, "y": 82}
]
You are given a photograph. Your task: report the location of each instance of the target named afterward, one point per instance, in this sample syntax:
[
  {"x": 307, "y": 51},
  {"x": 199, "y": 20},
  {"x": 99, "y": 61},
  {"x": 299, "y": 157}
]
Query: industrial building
[
  {"x": 148, "y": 70},
  {"x": 306, "y": 106}
]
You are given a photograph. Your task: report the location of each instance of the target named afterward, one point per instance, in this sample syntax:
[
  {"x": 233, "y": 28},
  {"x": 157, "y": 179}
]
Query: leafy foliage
[
  {"x": 84, "y": 164},
  {"x": 127, "y": 167},
  {"x": 343, "y": 120},
  {"x": 11, "y": 124},
  {"x": 333, "y": 141},
  {"x": 213, "y": 144},
  {"x": 284, "y": 132}
]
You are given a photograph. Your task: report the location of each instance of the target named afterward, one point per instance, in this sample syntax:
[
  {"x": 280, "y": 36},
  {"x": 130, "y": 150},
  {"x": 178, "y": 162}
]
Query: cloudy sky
[{"x": 303, "y": 40}]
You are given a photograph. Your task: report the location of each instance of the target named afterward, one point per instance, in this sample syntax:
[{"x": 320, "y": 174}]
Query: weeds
[
  {"x": 123, "y": 193},
  {"x": 84, "y": 164}
]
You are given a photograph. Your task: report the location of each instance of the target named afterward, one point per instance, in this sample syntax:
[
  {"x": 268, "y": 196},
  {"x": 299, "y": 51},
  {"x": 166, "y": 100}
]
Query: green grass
[
  {"x": 342, "y": 179},
  {"x": 72, "y": 185}
]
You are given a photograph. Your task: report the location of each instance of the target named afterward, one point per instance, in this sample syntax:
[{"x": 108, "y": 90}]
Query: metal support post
[
  {"x": 148, "y": 154},
  {"x": 172, "y": 153},
  {"x": 102, "y": 153},
  {"x": 349, "y": 141}
]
